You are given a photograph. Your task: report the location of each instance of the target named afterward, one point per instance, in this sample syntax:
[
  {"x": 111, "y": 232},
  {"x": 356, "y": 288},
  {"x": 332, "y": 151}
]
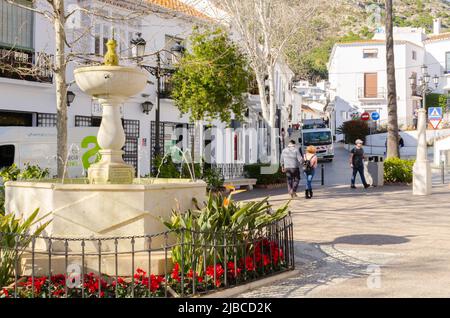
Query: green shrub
[
  {"x": 398, "y": 170},
  {"x": 354, "y": 129},
  {"x": 13, "y": 173},
  {"x": 16, "y": 231},
  {"x": 254, "y": 171},
  {"x": 214, "y": 180}
]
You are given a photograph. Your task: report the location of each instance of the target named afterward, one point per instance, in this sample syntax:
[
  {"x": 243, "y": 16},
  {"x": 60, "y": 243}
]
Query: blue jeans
[
  {"x": 359, "y": 170},
  {"x": 309, "y": 178}
]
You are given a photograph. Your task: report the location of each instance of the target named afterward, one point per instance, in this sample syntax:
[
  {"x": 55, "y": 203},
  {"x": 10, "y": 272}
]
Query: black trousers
[
  {"x": 360, "y": 170},
  {"x": 293, "y": 178}
]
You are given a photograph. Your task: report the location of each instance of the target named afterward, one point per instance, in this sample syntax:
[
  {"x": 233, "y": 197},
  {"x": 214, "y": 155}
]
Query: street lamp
[
  {"x": 422, "y": 169},
  {"x": 138, "y": 53},
  {"x": 147, "y": 107},
  {"x": 70, "y": 97}
]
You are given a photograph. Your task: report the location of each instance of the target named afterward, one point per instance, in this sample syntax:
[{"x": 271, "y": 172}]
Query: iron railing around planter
[{"x": 142, "y": 266}]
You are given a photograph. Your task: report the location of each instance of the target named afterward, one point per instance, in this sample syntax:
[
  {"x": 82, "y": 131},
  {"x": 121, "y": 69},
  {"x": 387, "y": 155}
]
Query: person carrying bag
[{"x": 309, "y": 168}]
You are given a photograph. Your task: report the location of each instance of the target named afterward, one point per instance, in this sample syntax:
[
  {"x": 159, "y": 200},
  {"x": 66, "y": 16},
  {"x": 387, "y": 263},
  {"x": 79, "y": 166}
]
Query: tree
[
  {"x": 211, "y": 79},
  {"x": 392, "y": 127},
  {"x": 264, "y": 27}
]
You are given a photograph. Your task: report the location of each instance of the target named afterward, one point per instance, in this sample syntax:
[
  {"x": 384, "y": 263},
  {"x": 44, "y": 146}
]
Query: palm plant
[{"x": 15, "y": 236}]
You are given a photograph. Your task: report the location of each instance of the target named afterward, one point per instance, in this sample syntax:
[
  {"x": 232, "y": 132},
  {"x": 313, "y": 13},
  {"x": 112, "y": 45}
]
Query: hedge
[
  {"x": 398, "y": 170},
  {"x": 254, "y": 171}
]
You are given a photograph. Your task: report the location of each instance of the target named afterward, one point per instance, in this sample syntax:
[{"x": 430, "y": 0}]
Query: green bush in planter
[
  {"x": 253, "y": 171},
  {"x": 398, "y": 170}
]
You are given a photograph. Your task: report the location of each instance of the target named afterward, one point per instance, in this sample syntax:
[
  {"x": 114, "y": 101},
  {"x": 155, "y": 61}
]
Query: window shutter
[{"x": 370, "y": 85}]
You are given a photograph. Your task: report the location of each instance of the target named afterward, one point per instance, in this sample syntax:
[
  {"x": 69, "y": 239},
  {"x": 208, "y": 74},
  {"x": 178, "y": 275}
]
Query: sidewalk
[{"x": 380, "y": 242}]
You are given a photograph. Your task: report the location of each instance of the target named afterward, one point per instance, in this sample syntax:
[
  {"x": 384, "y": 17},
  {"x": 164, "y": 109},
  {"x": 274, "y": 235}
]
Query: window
[
  {"x": 98, "y": 32},
  {"x": 172, "y": 57},
  {"x": 447, "y": 62},
  {"x": 16, "y": 25},
  {"x": 16, "y": 119},
  {"x": 414, "y": 55},
  {"x": 46, "y": 120},
  {"x": 102, "y": 33},
  {"x": 6, "y": 155},
  {"x": 370, "y": 85},
  {"x": 370, "y": 53}
]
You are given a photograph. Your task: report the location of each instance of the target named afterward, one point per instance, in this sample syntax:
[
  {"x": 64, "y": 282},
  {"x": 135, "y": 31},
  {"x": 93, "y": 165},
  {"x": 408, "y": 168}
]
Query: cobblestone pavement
[{"x": 379, "y": 242}]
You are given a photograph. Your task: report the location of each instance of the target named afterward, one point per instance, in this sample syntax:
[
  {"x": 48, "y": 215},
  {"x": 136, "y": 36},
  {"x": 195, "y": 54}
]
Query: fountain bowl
[{"x": 106, "y": 80}]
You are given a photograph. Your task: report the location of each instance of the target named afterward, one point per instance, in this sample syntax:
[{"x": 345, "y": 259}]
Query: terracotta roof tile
[
  {"x": 437, "y": 37},
  {"x": 179, "y": 6}
]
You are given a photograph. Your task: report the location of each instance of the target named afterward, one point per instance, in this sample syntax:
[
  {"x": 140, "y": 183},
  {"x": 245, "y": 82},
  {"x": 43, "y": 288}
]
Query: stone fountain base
[{"x": 100, "y": 211}]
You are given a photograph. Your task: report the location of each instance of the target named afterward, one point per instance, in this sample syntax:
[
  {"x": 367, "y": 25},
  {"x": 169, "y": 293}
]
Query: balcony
[
  {"x": 26, "y": 65},
  {"x": 363, "y": 95},
  {"x": 165, "y": 84}
]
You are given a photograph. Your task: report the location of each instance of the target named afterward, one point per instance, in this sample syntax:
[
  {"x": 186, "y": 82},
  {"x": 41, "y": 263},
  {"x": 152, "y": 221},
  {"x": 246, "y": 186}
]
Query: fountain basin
[
  {"x": 103, "y": 210},
  {"x": 105, "y": 80}
]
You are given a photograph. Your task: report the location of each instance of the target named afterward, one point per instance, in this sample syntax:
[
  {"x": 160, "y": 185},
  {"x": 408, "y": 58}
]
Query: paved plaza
[{"x": 379, "y": 242}]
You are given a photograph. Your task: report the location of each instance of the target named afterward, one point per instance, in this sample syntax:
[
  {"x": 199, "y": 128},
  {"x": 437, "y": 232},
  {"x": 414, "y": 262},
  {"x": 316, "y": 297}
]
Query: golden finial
[{"x": 111, "y": 58}]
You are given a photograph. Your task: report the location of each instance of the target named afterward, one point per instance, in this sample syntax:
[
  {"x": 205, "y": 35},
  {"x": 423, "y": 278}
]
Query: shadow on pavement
[{"x": 369, "y": 239}]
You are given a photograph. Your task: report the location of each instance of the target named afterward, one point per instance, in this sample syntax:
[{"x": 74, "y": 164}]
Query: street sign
[
  {"x": 435, "y": 116},
  {"x": 365, "y": 116},
  {"x": 375, "y": 116},
  {"x": 355, "y": 115}
]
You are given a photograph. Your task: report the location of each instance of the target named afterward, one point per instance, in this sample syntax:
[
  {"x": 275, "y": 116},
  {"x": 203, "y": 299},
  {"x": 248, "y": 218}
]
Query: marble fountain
[{"x": 113, "y": 203}]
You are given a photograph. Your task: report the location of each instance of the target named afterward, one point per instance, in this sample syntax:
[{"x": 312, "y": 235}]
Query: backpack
[{"x": 307, "y": 168}]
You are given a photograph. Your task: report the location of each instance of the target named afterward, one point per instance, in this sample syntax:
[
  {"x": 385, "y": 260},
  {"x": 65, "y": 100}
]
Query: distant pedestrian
[
  {"x": 309, "y": 168},
  {"x": 290, "y": 164},
  {"x": 289, "y": 130},
  {"x": 357, "y": 163}
]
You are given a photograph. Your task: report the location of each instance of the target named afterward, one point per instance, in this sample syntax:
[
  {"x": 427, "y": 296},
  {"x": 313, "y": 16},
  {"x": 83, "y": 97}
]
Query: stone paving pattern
[{"x": 379, "y": 242}]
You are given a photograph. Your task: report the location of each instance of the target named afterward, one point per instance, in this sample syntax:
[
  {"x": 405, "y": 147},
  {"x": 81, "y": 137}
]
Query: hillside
[{"x": 346, "y": 20}]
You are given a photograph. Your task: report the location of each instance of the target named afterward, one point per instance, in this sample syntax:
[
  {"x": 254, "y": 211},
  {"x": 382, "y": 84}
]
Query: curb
[{"x": 234, "y": 291}]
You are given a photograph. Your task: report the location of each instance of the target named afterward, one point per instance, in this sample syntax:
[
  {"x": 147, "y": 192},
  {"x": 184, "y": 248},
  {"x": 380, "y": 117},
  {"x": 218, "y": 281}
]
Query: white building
[{"x": 357, "y": 72}]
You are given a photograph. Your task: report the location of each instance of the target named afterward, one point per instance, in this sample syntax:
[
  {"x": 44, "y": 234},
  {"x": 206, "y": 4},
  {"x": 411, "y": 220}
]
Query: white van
[{"x": 37, "y": 146}]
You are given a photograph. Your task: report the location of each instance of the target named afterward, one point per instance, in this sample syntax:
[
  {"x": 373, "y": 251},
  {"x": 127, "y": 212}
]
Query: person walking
[
  {"x": 289, "y": 130},
  {"x": 357, "y": 163},
  {"x": 290, "y": 164},
  {"x": 309, "y": 168}
]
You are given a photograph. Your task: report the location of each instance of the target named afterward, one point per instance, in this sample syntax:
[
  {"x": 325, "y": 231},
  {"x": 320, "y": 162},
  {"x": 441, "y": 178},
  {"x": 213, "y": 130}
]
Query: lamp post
[
  {"x": 138, "y": 49},
  {"x": 422, "y": 168}
]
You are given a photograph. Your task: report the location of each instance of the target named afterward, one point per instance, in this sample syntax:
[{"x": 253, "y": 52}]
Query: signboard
[
  {"x": 435, "y": 116},
  {"x": 365, "y": 116},
  {"x": 375, "y": 116},
  {"x": 97, "y": 109}
]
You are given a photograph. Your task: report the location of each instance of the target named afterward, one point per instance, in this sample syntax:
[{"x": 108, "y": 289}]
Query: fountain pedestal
[{"x": 111, "y": 138}]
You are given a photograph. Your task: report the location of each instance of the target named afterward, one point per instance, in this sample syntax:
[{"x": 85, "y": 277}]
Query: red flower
[
  {"x": 231, "y": 270},
  {"x": 176, "y": 272},
  {"x": 219, "y": 270},
  {"x": 5, "y": 292}
]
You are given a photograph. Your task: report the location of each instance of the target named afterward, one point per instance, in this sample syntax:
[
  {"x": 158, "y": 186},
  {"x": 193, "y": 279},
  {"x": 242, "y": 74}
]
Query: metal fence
[
  {"x": 229, "y": 170},
  {"x": 169, "y": 264}
]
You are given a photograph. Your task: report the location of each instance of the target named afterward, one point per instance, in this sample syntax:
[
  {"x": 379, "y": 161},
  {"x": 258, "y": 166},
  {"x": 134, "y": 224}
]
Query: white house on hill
[{"x": 357, "y": 72}]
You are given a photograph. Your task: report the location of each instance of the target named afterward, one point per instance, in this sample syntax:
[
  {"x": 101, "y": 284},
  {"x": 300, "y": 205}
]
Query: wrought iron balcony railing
[
  {"x": 26, "y": 65},
  {"x": 379, "y": 94}
]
